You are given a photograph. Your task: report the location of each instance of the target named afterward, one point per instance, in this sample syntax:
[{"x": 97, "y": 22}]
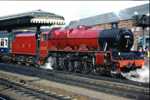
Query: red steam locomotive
[{"x": 82, "y": 49}]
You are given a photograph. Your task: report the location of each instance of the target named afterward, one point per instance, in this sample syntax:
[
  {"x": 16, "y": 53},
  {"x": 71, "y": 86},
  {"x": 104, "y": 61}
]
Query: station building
[{"x": 123, "y": 18}]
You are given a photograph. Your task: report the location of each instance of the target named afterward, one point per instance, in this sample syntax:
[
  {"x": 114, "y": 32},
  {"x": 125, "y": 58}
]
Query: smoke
[
  {"x": 139, "y": 75},
  {"x": 48, "y": 64}
]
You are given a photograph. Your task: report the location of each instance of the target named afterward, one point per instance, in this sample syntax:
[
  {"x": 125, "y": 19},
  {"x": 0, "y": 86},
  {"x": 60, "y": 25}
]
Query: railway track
[
  {"x": 107, "y": 78},
  {"x": 34, "y": 93},
  {"x": 108, "y": 86},
  {"x": 3, "y": 97},
  {"x": 92, "y": 76},
  {"x": 133, "y": 91}
]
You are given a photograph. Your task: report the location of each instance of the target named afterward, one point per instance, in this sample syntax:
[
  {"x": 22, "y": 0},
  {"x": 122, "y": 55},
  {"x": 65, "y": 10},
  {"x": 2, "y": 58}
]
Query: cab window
[{"x": 45, "y": 37}]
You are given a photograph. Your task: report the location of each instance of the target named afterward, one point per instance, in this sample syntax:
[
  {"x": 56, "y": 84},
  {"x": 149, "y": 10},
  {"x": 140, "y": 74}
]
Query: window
[
  {"x": 44, "y": 37},
  {"x": 4, "y": 42}
]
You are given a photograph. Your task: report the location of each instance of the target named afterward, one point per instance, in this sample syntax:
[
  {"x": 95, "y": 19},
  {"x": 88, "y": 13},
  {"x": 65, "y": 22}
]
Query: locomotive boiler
[{"x": 92, "y": 39}]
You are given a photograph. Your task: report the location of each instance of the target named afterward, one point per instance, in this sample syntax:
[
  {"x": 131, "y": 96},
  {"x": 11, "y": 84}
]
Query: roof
[
  {"x": 25, "y": 35},
  {"x": 111, "y": 17},
  {"x": 37, "y": 17}
]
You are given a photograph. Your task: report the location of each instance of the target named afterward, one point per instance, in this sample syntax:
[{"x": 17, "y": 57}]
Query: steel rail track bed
[
  {"x": 4, "y": 97},
  {"x": 116, "y": 88},
  {"x": 98, "y": 77},
  {"x": 92, "y": 76},
  {"x": 32, "y": 92},
  {"x": 107, "y": 78}
]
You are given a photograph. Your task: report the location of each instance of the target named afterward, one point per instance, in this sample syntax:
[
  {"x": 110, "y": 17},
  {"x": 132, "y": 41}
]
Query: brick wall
[
  {"x": 126, "y": 23},
  {"x": 103, "y": 26},
  {"x": 121, "y": 24}
]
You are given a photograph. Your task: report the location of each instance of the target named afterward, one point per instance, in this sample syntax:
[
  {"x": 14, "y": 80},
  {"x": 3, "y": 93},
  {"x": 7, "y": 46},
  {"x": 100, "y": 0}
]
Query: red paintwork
[
  {"x": 138, "y": 63},
  {"x": 26, "y": 44},
  {"x": 100, "y": 58},
  {"x": 82, "y": 39},
  {"x": 75, "y": 38},
  {"x": 43, "y": 49}
]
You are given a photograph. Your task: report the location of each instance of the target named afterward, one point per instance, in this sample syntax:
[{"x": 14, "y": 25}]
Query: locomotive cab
[{"x": 44, "y": 36}]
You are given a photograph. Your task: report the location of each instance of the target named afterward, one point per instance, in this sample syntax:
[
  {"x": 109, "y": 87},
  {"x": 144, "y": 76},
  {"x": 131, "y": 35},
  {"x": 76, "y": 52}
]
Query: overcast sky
[{"x": 71, "y": 10}]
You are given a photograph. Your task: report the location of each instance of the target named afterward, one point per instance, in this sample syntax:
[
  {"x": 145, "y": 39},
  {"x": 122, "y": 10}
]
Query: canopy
[{"x": 30, "y": 19}]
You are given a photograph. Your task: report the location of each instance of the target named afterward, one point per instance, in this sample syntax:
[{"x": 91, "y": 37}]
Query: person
[
  {"x": 147, "y": 56},
  {"x": 140, "y": 49},
  {"x": 141, "y": 52},
  {"x": 147, "y": 52},
  {"x": 2, "y": 42}
]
